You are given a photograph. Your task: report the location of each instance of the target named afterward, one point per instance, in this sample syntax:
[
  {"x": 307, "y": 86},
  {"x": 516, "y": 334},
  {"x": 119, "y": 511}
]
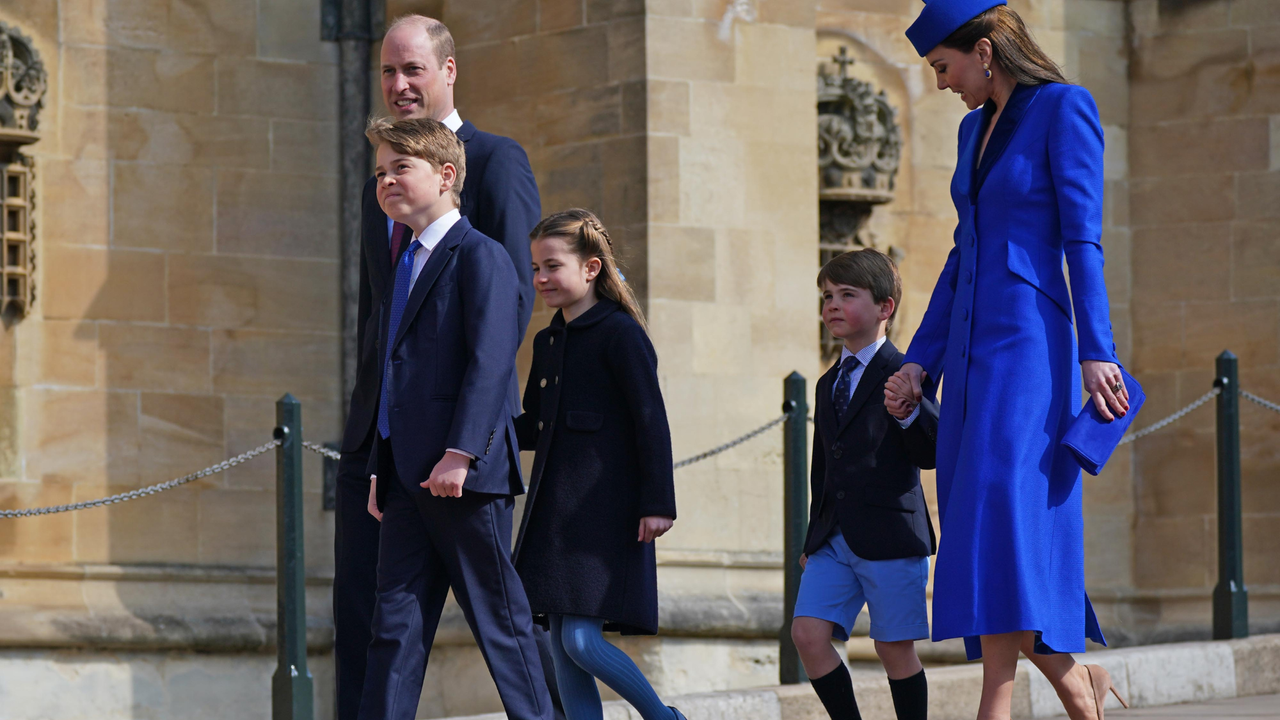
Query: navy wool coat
[{"x": 595, "y": 416}]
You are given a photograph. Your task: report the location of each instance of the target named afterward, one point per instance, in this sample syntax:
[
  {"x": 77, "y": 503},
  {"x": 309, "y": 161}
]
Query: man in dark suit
[
  {"x": 445, "y": 460},
  {"x": 870, "y": 536},
  {"x": 500, "y": 199}
]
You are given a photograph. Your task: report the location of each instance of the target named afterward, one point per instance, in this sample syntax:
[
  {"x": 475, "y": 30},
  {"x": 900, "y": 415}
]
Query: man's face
[{"x": 414, "y": 85}]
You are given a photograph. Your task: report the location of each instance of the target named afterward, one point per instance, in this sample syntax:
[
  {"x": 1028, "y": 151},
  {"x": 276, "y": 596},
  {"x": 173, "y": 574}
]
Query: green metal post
[
  {"x": 1230, "y": 598},
  {"x": 291, "y": 687},
  {"x": 795, "y": 469}
]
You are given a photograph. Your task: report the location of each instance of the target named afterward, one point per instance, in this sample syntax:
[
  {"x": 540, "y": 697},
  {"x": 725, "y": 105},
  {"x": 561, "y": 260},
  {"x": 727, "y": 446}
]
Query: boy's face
[
  {"x": 409, "y": 186},
  {"x": 852, "y": 314}
]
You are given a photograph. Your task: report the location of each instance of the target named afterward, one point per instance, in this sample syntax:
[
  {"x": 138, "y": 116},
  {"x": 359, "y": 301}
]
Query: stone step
[{"x": 1148, "y": 676}]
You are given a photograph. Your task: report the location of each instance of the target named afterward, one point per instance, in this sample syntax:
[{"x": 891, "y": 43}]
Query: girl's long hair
[
  {"x": 587, "y": 238},
  {"x": 1011, "y": 46}
]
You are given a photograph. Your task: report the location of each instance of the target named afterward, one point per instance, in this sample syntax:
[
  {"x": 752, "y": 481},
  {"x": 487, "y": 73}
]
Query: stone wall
[
  {"x": 1205, "y": 209},
  {"x": 187, "y": 258}
]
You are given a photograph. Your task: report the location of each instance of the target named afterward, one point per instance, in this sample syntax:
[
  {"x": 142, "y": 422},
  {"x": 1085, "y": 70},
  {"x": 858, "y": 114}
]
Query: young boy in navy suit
[
  {"x": 870, "y": 536},
  {"x": 445, "y": 464}
]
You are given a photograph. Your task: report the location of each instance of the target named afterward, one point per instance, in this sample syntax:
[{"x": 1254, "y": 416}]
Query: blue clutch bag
[{"x": 1092, "y": 439}]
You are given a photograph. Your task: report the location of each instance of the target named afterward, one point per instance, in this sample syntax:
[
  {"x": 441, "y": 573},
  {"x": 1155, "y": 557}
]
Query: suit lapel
[
  {"x": 872, "y": 379},
  {"x": 468, "y": 199},
  {"x": 430, "y": 272},
  {"x": 827, "y": 416}
]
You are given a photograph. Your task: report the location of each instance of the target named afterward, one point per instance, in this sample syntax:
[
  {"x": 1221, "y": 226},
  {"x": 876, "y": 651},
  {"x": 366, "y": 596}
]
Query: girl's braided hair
[{"x": 587, "y": 238}]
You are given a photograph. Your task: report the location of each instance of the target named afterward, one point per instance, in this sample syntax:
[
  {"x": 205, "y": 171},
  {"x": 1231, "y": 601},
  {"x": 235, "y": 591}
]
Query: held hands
[
  {"x": 373, "y": 498},
  {"x": 654, "y": 527},
  {"x": 448, "y": 475},
  {"x": 804, "y": 560},
  {"x": 1103, "y": 382},
  {"x": 902, "y": 391}
]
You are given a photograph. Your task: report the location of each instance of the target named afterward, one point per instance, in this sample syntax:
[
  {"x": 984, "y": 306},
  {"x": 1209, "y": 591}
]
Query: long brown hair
[
  {"x": 587, "y": 238},
  {"x": 1011, "y": 46}
]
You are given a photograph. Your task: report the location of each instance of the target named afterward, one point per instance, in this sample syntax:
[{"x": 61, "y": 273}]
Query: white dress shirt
[
  {"x": 453, "y": 122},
  {"x": 429, "y": 239},
  {"x": 855, "y": 376}
]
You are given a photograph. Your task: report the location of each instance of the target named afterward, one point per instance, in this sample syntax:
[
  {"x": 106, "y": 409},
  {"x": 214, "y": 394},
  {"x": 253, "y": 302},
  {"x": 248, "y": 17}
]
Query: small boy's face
[
  {"x": 852, "y": 314},
  {"x": 409, "y": 186}
]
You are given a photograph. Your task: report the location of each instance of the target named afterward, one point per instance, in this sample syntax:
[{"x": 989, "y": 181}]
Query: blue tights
[{"x": 581, "y": 655}]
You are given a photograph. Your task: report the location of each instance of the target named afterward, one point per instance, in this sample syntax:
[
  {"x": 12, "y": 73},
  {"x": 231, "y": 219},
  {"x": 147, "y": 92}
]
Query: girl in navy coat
[{"x": 601, "y": 490}]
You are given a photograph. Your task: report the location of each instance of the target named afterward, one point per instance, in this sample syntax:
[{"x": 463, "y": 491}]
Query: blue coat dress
[{"x": 999, "y": 325}]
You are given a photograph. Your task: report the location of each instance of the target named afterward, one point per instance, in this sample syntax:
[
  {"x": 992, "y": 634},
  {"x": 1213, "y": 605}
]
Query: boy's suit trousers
[{"x": 431, "y": 544}]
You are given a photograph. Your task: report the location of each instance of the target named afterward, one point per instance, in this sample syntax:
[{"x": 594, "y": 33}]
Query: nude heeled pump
[{"x": 1100, "y": 679}]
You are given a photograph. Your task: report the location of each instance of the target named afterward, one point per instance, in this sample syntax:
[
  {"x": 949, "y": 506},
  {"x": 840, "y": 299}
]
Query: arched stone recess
[{"x": 864, "y": 163}]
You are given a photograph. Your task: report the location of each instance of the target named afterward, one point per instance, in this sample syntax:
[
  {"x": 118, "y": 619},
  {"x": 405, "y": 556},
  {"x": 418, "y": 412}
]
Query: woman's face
[{"x": 962, "y": 73}]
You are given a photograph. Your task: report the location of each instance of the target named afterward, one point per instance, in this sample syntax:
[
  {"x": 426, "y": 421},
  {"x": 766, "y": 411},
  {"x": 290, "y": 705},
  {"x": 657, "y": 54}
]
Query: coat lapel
[
  {"x": 430, "y": 272},
  {"x": 968, "y": 154},
  {"x": 468, "y": 199},
  {"x": 872, "y": 379},
  {"x": 378, "y": 251}
]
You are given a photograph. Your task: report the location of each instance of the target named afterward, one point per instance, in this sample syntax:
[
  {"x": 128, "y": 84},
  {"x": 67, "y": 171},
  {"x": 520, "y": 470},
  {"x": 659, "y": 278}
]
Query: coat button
[
  {"x": 836, "y": 453},
  {"x": 964, "y": 314},
  {"x": 539, "y": 424},
  {"x": 543, "y": 383},
  {"x": 972, "y": 239},
  {"x": 553, "y": 340},
  {"x": 840, "y": 495},
  {"x": 968, "y": 277}
]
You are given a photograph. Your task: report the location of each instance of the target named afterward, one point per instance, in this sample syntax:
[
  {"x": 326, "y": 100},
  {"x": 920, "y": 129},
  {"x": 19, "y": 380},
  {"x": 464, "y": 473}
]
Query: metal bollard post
[
  {"x": 291, "y": 687},
  {"x": 795, "y": 471},
  {"x": 1230, "y": 597}
]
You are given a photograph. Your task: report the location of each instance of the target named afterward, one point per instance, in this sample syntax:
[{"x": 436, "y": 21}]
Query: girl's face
[
  {"x": 962, "y": 73},
  {"x": 561, "y": 277}
]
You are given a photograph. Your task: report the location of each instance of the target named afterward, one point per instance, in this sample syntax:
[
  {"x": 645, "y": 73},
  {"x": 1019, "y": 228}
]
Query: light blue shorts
[{"x": 836, "y": 584}]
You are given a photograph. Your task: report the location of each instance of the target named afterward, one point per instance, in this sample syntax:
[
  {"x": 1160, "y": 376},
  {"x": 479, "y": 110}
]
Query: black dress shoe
[{"x": 679, "y": 715}]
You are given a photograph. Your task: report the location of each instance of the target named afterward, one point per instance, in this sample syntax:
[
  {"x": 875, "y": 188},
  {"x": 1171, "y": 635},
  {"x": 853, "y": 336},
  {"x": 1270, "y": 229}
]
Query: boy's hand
[
  {"x": 804, "y": 560},
  {"x": 448, "y": 475},
  {"x": 373, "y": 497},
  {"x": 654, "y": 527},
  {"x": 906, "y": 382},
  {"x": 899, "y": 408}
]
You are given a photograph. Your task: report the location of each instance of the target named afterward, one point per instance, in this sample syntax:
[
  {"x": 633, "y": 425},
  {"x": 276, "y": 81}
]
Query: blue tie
[
  {"x": 399, "y": 298},
  {"x": 843, "y": 392}
]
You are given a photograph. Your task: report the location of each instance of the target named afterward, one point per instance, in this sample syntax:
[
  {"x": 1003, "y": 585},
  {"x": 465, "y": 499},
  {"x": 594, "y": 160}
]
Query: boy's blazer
[
  {"x": 453, "y": 364},
  {"x": 866, "y": 469},
  {"x": 500, "y": 198}
]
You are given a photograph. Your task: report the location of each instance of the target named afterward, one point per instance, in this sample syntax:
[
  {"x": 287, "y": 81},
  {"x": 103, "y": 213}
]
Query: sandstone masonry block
[
  {"x": 687, "y": 50},
  {"x": 1183, "y": 199},
  {"x": 184, "y": 139},
  {"x": 687, "y": 256},
  {"x": 78, "y": 212},
  {"x": 276, "y": 89},
  {"x": 1235, "y": 145},
  {"x": 487, "y": 20},
  {"x": 308, "y": 148},
  {"x": 163, "y": 207},
  {"x": 275, "y": 214},
  {"x": 68, "y": 353},
  {"x": 251, "y": 362},
  {"x": 142, "y": 357},
  {"x": 1255, "y": 259},
  {"x": 92, "y": 283},
  {"x": 231, "y": 292},
  {"x": 1160, "y": 270}
]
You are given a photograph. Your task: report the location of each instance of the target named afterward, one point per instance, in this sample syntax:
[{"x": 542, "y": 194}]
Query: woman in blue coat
[{"x": 1028, "y": 189}]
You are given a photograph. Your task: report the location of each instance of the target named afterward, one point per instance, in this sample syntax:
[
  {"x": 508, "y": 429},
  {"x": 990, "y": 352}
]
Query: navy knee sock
[
  {"x": 583, "y": 643},
  {"x": 835, "y": 690},
  {"x": 910, "y": 697}
]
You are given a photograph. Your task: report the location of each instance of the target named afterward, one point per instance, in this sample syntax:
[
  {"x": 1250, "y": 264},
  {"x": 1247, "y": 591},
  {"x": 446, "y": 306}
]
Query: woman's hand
[
  {"x": 1104, "y": 384},
  {"x": 373, "y": 497},
  {"x": 905, "y": 384},
  {"x": 654, "y": 527}
]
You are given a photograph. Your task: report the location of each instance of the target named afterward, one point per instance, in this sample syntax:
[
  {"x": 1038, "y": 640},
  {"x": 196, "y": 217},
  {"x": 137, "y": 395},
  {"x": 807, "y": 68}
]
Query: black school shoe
[{"x": 679, "y": 715}]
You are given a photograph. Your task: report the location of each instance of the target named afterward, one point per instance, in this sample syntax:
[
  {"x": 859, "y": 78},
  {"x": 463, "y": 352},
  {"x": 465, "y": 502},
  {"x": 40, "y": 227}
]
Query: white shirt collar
[
  {"x": 865, "y": 354},
  {"x": 454, "y": 121},
  {"x": 436, "y": 230}
]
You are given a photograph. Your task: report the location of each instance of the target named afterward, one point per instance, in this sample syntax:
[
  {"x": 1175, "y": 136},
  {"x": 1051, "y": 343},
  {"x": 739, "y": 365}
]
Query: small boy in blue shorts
[{"x": 870, "y": 536}]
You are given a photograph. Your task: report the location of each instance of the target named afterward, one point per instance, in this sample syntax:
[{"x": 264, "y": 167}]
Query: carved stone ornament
[
  {"x": 23, "y": 81},
  {"x": 859, "y": 142}
]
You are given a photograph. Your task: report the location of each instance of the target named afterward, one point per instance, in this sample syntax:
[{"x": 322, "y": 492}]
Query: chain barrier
[
  {"x": 149, "y": 490},
  {"x": 1172, "y": 418},
  {"x": 1273, "y": 407},
  {"x": 322, "y": 450},
  {"x": 731, "y": 444},
  {"x": 336, "y": 455}
]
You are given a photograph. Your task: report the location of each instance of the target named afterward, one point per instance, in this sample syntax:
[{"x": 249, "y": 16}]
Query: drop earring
[{"x": 987, "y": 69}]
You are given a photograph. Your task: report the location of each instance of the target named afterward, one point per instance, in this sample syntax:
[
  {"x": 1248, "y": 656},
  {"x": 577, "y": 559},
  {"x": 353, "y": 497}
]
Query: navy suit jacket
[
  {"x": 453, "y": 362},
  {"x": 500, "y": 199},
  {"x": 866, "y": 469}
]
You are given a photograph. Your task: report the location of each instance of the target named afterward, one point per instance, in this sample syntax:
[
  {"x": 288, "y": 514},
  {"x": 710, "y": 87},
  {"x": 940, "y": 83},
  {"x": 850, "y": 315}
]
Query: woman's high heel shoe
[{"x": 1100, "y": 679}]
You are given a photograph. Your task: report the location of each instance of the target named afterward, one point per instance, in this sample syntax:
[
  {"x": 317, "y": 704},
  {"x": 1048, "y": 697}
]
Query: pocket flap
[{"x": 583, "y": 421}]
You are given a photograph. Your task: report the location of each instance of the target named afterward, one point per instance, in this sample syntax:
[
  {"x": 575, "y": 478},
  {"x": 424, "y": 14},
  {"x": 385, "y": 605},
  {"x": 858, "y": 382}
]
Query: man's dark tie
[
  {"x": 400, "y": 233},
  {"x": 843, "y": 391},
  {"x": 399, "y": 298}
]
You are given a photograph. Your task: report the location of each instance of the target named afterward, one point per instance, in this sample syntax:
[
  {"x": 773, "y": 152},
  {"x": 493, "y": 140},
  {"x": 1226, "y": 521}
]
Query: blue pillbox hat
[{"x": 940, "y": 18}]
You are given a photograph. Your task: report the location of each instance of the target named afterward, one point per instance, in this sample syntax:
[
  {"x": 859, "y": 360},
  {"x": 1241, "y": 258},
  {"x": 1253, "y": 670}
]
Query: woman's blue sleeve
[
  {"x": 929, "y": 345},
  {"x": 1075, "y": 163}
]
